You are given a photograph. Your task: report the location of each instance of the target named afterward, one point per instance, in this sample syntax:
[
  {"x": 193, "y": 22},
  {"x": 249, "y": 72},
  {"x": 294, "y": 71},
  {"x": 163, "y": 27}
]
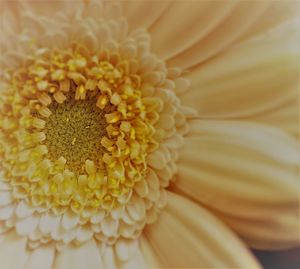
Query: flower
[{"x": 132, "y": 132}]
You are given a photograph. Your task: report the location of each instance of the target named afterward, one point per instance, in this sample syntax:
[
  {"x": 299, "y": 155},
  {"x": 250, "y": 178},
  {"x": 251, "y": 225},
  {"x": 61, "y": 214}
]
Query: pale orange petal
[
  {"x": 228, "y": 30},
  {"x": 187, "y": 235},
  {"x": 151, "y": 258},
  {"x": 144, "y": 13},
  {"x": 184, "y": 23},
  {"x": 285, "y": 116},
  {"x": 277, "y": 12},
  {"x": 248, "y": 173},
  {"x": 250, "y": 78}
]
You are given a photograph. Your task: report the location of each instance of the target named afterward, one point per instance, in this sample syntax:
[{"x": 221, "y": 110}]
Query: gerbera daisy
[{"x": 147, "y": 134}]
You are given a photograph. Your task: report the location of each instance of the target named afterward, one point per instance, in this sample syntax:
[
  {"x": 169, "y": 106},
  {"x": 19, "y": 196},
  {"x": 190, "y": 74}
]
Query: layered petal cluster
[{"x": 148, "y": 134}]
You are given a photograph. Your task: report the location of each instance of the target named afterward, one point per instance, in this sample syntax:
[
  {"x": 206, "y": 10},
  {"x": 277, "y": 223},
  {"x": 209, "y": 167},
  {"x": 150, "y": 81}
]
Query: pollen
[{"x": 74, "y": 131}]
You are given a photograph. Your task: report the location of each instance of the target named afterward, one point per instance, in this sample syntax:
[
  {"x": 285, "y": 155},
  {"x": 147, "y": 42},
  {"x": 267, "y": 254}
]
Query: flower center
[{"x": 76, "y": 131}]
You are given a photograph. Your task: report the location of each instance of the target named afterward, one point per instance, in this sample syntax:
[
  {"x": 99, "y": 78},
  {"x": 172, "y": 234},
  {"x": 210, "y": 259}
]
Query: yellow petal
[
  {"x": 250, "y": 78},
  {"x": 248, "y": 173},
  {"x": 201, "y": 239}
]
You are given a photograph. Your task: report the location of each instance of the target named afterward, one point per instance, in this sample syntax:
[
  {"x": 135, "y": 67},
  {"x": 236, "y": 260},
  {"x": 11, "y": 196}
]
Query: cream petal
[
  {"x": 69, "y": 220},
  {"x": 11, "y": 245},
  {"x": 150, "y": 257},
  {"x": 144, "y": 13},
  {"x": 278, "y": 12},
  {"x": 79, "y": 257},
  {"x": 136, "y": 262},
  {"x": 257, "y": 233},
  {"x": 6, "y": 212},
  {"x": 136, "y": 208},
  {"x": 109, "y": 226},
  {"x": 232, "y": 26},
  {"x": 285, "y": 116},
  {"x": 157, "y": 159},
  {"x": 98, "y": 217},
  {"x": 49, "y": 223},
  {"x": 200, "y": 238},
  {"x": 248, "y": 172},
  {"x": 5, "y": 198},
  {"x": 125, "y": 249},
  {"x": 94, "y": 9},
  {"x": 9, "y": 23},
  {"x": 41, "y": 257},
  {"x": 27, "y": 225},
  {"x": 3, "y": 228},
  {"x": 4, "y": 186},
  {"x": 250, "y": 78},
  {"x": 193, "y": 20},
  {"x": 49, "y": 8},
  {"x": 117, "y": 212},
  {"x": 141, "y": 188},
  {"x": 23, "y": 210},
  {"x": 84, "y": 234},
  {"x": 109, "y": 259},
  {"x": 70, "y": 235}
]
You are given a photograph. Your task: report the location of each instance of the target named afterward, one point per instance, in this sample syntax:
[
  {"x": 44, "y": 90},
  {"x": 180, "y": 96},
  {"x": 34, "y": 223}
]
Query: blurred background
[{"x": 287, "y": 259}]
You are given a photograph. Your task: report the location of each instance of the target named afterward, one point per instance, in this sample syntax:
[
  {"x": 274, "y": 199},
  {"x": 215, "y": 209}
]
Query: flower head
[{"x": 99, "y": 116}]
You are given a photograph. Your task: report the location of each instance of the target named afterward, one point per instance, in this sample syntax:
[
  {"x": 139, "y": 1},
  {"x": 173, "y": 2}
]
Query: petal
[
  {"x": 250, "y": 78},
  {"x": 201, "y": 239},
  {"x": 49, "y": 223},
  {"x": 27, "y": 225},
  {"x": 233, "y": 25},
  {"x": 11, "y": 244},
  {"x": 285, "y": 116},
  {"x": 6, "y": 212},
  {"x": 136, "y": 262},
  {"x": 125, "y": 248},
  {"x": 23, "y": 210},
  {"x": 69, "y": 220},
  {"x": 49, "y": 8},
  {"x": 278, "y": 12},
  {"x": 144, "y": 13},
  {"x": 192, "y": 20},
  {"x": 5, "y": 198},
  {"x": 41, "y": 257},
  {"x": 151, "y": 258},
  {"x": 79, "y": 257},
  {"x": 247, "y": 172},
  {"x": 109, "y": 259}
]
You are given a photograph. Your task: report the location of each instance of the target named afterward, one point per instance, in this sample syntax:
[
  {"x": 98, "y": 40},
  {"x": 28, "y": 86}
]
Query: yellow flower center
[{"x": 75, "y": 130}]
